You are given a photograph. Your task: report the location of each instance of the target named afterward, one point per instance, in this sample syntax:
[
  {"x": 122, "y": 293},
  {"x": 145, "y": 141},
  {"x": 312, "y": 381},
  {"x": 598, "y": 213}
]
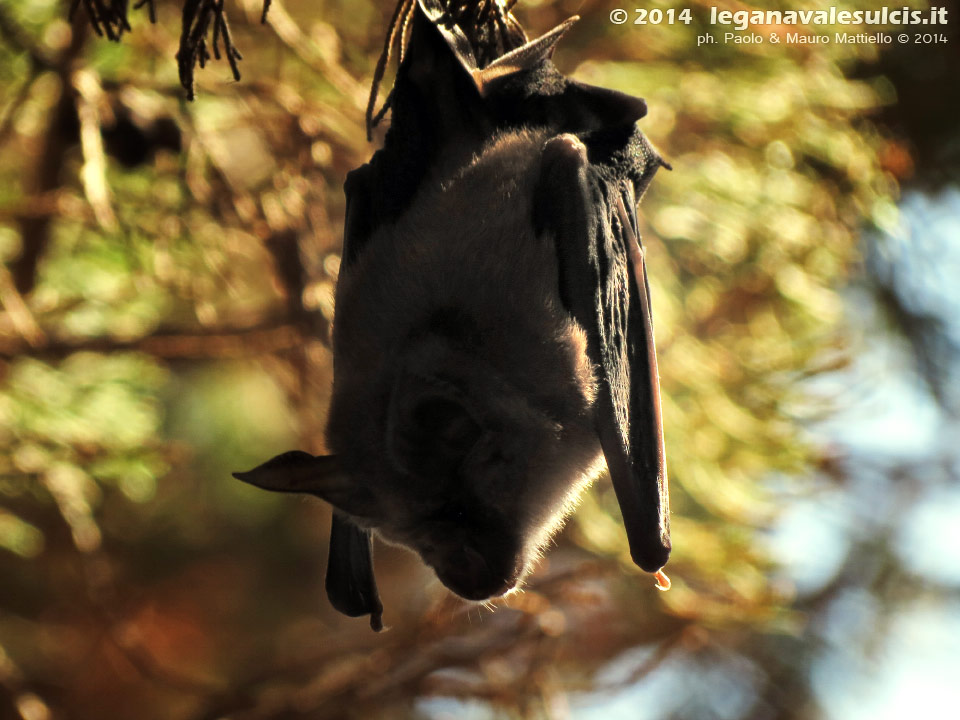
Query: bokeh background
[{"x": 166, "y": 291}]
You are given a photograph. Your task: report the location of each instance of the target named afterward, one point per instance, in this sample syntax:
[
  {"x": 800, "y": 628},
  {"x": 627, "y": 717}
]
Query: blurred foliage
[{"x": 166, "y": 296}]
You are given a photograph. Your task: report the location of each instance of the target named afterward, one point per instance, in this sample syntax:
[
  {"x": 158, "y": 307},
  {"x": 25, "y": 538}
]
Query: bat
[{"x": 493, "y": 343}]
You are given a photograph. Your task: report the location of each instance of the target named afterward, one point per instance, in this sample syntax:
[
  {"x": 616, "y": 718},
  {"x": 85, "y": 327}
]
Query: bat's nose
[{"x": 468, "y": 573}]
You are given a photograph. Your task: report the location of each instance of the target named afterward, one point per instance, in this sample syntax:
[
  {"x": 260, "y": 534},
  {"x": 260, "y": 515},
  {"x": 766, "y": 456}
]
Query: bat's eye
[
  {"x": 431, "y": 438},
  {"x": 446, "y": 422}
]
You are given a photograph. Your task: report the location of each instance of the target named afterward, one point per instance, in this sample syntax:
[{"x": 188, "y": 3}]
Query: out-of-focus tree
[{"x": 166, "y": 296}]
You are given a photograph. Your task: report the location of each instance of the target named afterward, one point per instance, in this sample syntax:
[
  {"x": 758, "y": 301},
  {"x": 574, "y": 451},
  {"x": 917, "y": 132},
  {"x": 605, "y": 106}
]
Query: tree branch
[
  {"x": 35, "y": 231},
  {"x": 217, "y": 342},
  {"x": 19, "y": 39}
]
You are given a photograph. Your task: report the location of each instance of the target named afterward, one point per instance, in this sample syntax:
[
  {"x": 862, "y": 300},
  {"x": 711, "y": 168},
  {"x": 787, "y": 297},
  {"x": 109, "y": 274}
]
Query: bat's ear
[
  {"x": 300, "y": 472},
  {"x": 350, "y": 583},
  {"x": 526, "y": 57}
]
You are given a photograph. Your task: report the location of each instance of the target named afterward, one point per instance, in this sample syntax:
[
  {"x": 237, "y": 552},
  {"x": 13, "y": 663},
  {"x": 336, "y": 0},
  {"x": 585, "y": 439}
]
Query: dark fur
[{"x": 459, "y": 299}]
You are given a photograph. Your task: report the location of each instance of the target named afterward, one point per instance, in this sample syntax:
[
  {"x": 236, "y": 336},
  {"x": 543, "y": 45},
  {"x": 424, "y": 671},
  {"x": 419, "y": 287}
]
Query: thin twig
[
  {"x": 18, "y": 38},
  {"x": 396, "y": 23},
  {"x": 9, "y": 112},
  {"x": 229, "y": 49},
  {"x": 18, "y": 311},
  {"x": 93, "y": 173},
  {"x": 107, "y": 17},
  {"x": 488, "y": 25},
  {"x": 405, "y": 32},
  {"x": 151, "y": 7}
]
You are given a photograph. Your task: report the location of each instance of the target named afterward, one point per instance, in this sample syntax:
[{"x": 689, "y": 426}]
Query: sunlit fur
[{"x": 459, "y": 300}]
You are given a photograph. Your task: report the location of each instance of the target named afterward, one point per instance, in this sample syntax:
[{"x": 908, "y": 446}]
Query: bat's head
[
  {"x": 444, "y": 455},
  {"x": 450, "y": 458},
  {"x": 440, "y": 456}
]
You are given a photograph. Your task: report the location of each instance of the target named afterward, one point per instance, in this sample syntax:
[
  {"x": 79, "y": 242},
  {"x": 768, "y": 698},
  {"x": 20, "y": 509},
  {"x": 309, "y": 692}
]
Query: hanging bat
[{"x": 493, "y": 343}]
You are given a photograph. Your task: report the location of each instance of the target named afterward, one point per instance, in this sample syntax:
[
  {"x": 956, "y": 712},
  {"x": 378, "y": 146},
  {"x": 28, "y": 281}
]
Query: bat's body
[
  {"x": 464, "y": 394},
  {"x": 493, "y": 343}
]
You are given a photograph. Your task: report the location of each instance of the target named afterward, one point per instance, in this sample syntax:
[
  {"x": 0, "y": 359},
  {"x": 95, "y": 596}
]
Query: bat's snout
[{"x": 471, "y": 576}]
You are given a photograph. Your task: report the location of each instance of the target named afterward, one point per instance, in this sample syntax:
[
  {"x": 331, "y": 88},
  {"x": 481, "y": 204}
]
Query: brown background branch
[{"x": 267, "y": 336}]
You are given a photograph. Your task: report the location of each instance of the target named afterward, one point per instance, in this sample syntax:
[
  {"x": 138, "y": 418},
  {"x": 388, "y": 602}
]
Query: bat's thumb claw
[
  {"x": 663, "y": 582},
  {"x": 566, "y": 147}
]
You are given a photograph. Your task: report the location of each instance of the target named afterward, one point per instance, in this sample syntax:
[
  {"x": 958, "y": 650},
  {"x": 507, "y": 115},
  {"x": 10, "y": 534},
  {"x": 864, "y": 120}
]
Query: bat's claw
[
  {"x": 565, "y": 148},
  {"x": 663, "y": 582}
]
